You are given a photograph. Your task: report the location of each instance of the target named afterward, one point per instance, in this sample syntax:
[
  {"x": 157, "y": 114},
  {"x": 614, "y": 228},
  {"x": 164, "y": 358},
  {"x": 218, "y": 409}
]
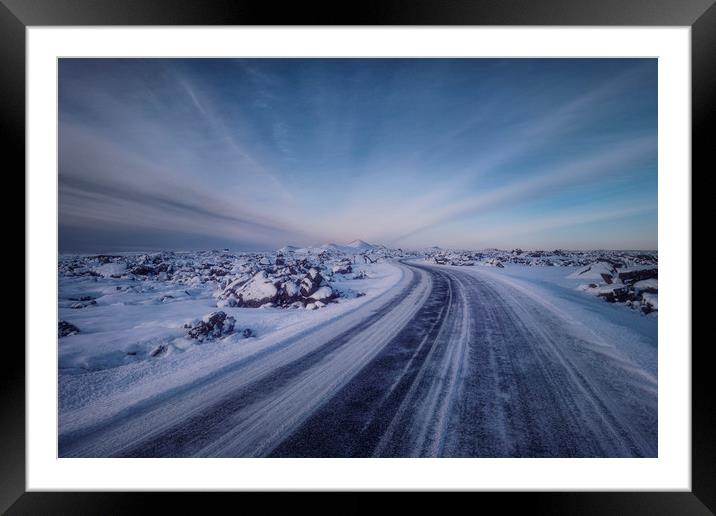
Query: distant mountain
[
  {"x": 330, "y": 246},
  {"x": 356, "y": 246},
  {"x": 361, "y": 245}
]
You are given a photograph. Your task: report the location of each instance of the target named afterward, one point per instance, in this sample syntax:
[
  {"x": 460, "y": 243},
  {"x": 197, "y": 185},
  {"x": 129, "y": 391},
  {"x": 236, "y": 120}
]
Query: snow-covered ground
[
  {"x": 137, "y": 330},
  {"x": 132, "y": 341}
]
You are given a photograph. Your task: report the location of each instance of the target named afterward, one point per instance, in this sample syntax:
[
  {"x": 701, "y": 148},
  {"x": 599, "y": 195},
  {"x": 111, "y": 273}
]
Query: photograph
[{"x": 313, "y": 257}]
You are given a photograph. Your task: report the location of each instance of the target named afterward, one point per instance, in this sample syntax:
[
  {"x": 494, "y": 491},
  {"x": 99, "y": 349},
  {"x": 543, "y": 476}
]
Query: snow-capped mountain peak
[{"x": 360, "y": 244}]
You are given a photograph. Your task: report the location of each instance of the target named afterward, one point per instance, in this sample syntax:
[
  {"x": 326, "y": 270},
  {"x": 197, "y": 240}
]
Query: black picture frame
[{"x": 700, "y": 15}]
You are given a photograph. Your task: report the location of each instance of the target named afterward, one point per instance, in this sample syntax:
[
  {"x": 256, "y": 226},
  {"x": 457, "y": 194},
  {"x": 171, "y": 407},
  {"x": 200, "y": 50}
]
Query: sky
[{"x": 254, "y": 154}]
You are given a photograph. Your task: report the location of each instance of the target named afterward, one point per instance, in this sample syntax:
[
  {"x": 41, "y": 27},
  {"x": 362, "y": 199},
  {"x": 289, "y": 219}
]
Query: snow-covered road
[{"x": 456, "y": 362}]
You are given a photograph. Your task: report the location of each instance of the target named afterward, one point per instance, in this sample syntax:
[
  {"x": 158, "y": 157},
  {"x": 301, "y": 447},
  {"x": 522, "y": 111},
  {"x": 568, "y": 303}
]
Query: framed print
[{"x": 411, "y": 250}]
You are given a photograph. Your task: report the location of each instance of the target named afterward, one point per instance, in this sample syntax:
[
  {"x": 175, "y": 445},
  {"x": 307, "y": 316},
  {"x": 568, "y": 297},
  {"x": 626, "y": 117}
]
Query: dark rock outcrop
[
  {"x": 65, "y": 328},
  {"x": 630, "y": 277}
]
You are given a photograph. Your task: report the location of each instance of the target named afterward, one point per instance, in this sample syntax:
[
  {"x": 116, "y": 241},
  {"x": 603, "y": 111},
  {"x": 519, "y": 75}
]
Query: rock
[
  {"x": 159, "y": 350},
  {"x": 143, "y": 270},
  {"x": 596, "y": 271},
  {"x": 633, "y": 276},
  {"x": 258, "y": 291},
  {"x": 83, "y": 298},
  {"x": 247, "y": 333},
  {"x": 65, "y": 328},
  {"x": 231, "y": 290},
  {"x": 311, "y": 282},
  {"x": 288, "y": 292},
  {"x": 342, "y": 267},
  {"x": 616, "y": 293},
  {"x": 322, "y": 294},
  {"x": 649, "y": 303},
  {"x": 215, "y": 325},
  {"x": 649, "y": 286},
  {"x": 230, "y": 302},
  {"x": 111, "y": 270},
  {"x": 83, "y": 304}
]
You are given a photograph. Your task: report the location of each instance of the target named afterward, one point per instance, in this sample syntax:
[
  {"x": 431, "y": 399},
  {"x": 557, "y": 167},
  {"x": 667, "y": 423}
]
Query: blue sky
[{"x": 259, "y": 153}]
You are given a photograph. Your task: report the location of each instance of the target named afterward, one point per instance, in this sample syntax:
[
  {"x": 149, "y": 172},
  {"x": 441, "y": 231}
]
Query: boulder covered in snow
[
  {"x": 322, "y": 294},
  {"x": 342, "y": 267},
  {"x": 65, "y": 328},
  {"x": 143, "y": 270},
  {"x": 633, "y": 276},
  {"x": 212, "y": 326},
  {"x": 648, "y": 286},
  {"x": 158, "y": 351},
  {"x": 283, "y": 286},
  {"x": 311, "y": 282},
  {"x": 616, "y": 293},
  {"x": 600, "y": 271},
  {"x": 641, "y": 295},
  {"x": 494, "y": 262},
  {"x": 83, "y": 304},
  {"x": 229, "y": 295},
  {"x": 649, "y": 302},
  {"x": 111, "y": 269},
  {"x": 258, "y": 291}
]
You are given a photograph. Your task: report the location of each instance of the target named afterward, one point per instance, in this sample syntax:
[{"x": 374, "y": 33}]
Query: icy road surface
[{"x": 451, "y": 362}]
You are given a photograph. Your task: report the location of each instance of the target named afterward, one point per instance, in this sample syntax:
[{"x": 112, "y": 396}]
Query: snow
[
  {"x": 352, "y": 248},
  {"x": 360, "y": 244},
  {"x": 258, "y": 288},
  {"x": 292, "y": 289},
  {"x": 647, "y": 284},
  {"x": 596, "y": 271},
  {"x": 651, "y": 300},
  {"x": 322, "y": 293},
  {"x": 111, "y": 269}
]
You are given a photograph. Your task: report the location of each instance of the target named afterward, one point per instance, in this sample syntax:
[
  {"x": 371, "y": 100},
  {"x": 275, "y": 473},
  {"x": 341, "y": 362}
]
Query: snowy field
[{"x": 379, "y": 352}]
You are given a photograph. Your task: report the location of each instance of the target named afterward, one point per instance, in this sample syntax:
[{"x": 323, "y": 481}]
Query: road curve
[{"x": 453, "y": 363}]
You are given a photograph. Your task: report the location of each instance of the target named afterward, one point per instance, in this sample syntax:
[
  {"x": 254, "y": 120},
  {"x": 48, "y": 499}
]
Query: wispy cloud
[
  {"x": 103, "y": 182},
  {"x": 404, "y": 152},
  {"x": 580, "y": 171},
  {"x": 570, "y": 218}
]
